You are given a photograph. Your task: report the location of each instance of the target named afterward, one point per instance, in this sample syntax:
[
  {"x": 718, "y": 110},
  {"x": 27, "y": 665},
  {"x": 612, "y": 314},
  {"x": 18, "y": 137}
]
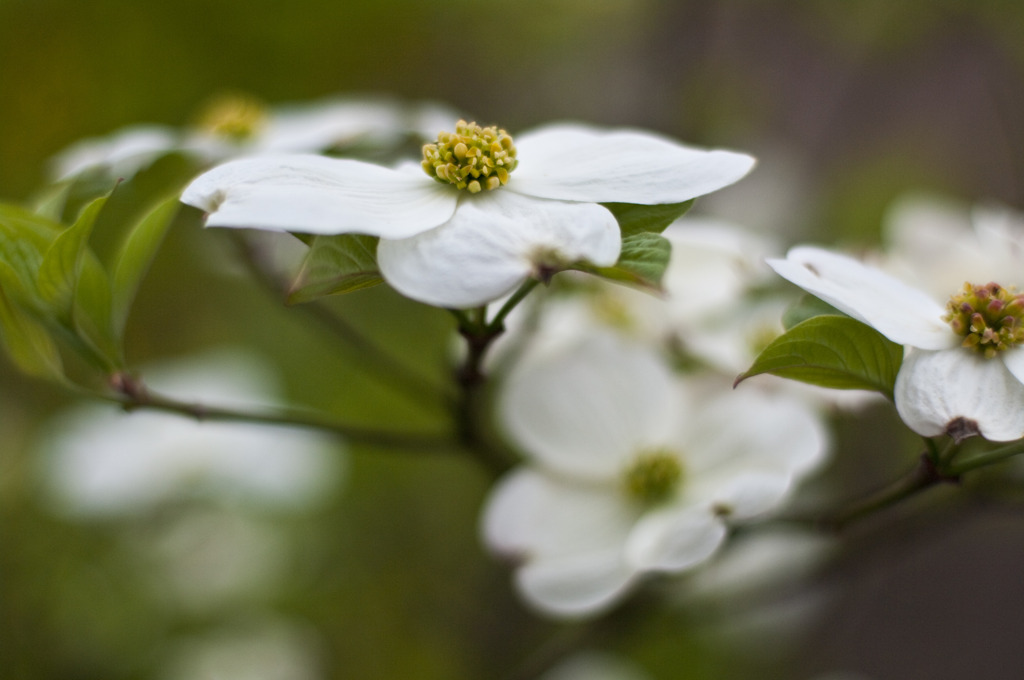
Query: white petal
[
  {"x": 320, "y": 195},
  {"x": 492, "y": 244},
  {"x": 570, "y": 538},
  {"x": 1014, "y": 360},
  {"x": 588, "y": 409},
  {"x": 122, "y": 153},
  {"x": 745, "y": 493},
  {"x": 748, "y": 429},
  {"x": 531, "y": 515},
  {"x": 903, "y": 314},
  {"x": 579, "y": 163},
  {"x": 331, "y": 123},
  {"x": 574, "y": 587},
  {"x": 934, "y": 389},
  {"x": 673, "y": 539},
  {"x": 743, "y": 449}
]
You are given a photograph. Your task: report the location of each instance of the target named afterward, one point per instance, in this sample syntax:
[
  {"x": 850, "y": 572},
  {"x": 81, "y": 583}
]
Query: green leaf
[
  {"x": 61, "y": 263},
  {"x": 134, "y": 258},
  {"x": 24, "y": 237},
  {"x": 51, "y": 201},
  {"x": 334, "y": 265},
  {"x": 28, "y": 342},
  {"x": 636, "y": 219},
  {"x": 807, "y": 307},
  {"x": 642, "y": 262},
  {"x": 832, "y": 351},
  {"x": 92, "y": 316}
]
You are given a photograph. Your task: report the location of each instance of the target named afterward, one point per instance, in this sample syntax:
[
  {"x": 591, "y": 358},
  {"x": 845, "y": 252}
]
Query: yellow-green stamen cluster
[
  {"x": 472, "y": 157},
  {"x": 988, "y": 317},
  {"x": 653, "y": 477},
  {"x": 237, "y": 117}
]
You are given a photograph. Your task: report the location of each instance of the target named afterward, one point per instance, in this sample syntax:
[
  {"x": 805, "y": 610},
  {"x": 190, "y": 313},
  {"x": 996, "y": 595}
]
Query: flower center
[
  {"x": 472, "y": 157},
  {"x": 653, "y": 477},
  {"x": 237, "y": 117},
  {"x": 988, "y": 317}
]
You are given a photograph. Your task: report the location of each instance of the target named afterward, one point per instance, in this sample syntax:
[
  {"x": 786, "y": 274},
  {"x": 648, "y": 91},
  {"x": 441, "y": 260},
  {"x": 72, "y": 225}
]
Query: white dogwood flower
[
  {"x": 632, "y": 471},
  {"x": 487, "y": 214},
  {"x": 963, "y": 373}
]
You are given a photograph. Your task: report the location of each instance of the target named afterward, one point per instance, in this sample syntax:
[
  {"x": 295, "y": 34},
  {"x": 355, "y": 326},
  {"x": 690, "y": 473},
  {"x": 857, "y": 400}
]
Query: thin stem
[
  {"x": 499, "y": 319},
  {"x": 470, "y": 410},
  {"x": 980, "y": 460},
  {"x": 132, "y": 394},
  {"x": 923, "y": 476},
  {"x": 408, "y": 381}
]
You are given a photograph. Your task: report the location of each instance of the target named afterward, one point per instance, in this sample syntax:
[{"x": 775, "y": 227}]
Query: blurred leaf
[
  {"x": 24, "y": 238},
  {"x": 832, "y": 351},
  {"x": 28, "y": 341},
  {"x": 334, "y": 265},
  {"x": 136, "y": 254},
  {"x": 807, "y": 307},
  {"x": 61, "y": 263},
  {"x": 642, "y": 262},
  {"x": 635, "y": 219},
  {"x": 92, "y": 316},
  {"x": 51, "y": 201}
]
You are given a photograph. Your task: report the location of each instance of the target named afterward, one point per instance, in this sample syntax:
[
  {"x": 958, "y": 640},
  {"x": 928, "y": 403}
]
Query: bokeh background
[{"x": 848, "y": 107}]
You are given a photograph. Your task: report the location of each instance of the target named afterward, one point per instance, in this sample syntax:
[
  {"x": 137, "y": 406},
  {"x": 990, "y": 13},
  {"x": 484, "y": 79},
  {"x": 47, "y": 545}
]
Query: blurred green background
[{"x": 847, "y": 106}]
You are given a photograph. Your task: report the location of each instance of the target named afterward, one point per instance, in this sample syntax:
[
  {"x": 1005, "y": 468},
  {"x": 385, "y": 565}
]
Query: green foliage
[
  {"x": 642, "y": 262},
  {"x": 335, "y": 265},
  {"x": 832, "y": 351},
  {"x": 55, "y": 289},
  {"x": 62, "y": 262},
  {"x": 137, "y": 252},
  {"x": 26, "y": 339},
  {"x": 636, "y": 219}
]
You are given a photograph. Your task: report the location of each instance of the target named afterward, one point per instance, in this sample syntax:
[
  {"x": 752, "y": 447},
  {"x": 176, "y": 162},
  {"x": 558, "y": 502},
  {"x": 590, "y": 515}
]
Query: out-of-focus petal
[
  {"x": 674, "y": 538},
  {"x": 589, "y": 409},
  {"x": 575, "y": 586},
  {"x": 122, "y": 154},
  {"x": 581, "y": 163},
  {"x": 531, "y": 515},
  {"x": 749, "y": 429}
]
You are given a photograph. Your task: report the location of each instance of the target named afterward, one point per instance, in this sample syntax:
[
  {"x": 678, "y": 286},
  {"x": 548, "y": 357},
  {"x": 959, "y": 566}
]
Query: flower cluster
[
  {"x": 627, "y": 453},
  {"x": 453, "y": 248}
]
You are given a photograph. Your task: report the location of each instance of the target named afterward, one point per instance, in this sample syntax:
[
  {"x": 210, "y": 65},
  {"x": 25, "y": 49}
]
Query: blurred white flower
[
  {"x": 120, "y": 154},
  {"x": 632, "y": 471},
  {"x": 936, "y": 244},
  {"x": 447, "y": 238},
  {"x": 201, "y": 559},
  {"x": 236, "y": 126},
  {"x": 963, "y": 373},
  {"x": 268, "y": 649},
  {"x": 98, "y": 460},
  {"x": 591, "y": 665}
]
